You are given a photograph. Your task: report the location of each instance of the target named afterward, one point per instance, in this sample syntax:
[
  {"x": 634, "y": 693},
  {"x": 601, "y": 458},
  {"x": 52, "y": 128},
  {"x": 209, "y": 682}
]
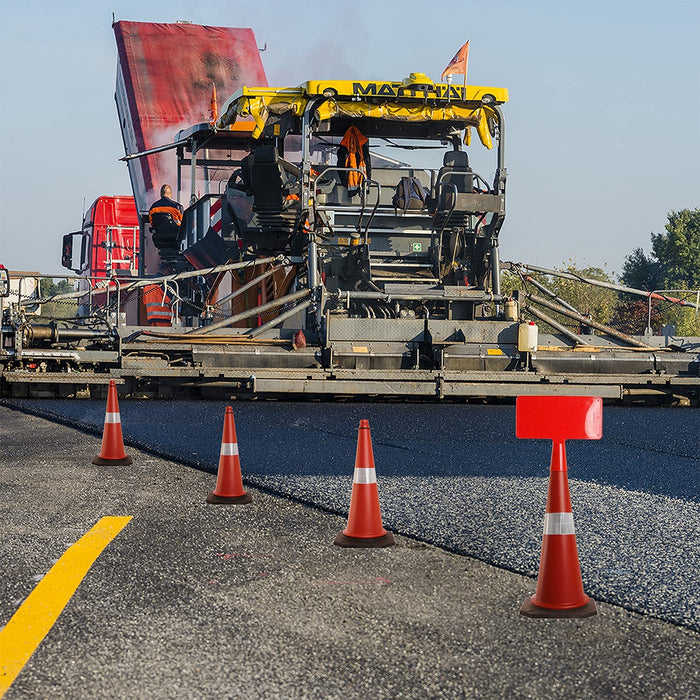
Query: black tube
[
  {"x": 475, "y": 295},
  {"x": 36, "y": 333},
  {"x": 587, "y": 321},
  {"x": 67, "y": 334},
  {"x": 554, "y": 324},
  {"x": 551, "y": 294},
  {"x": 275, "y": 303}
]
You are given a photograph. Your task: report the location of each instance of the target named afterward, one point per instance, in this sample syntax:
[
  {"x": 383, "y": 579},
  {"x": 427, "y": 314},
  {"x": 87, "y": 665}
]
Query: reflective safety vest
[
  {"x": 158, "y": 305},
  {"x": 165, "y": 205}
]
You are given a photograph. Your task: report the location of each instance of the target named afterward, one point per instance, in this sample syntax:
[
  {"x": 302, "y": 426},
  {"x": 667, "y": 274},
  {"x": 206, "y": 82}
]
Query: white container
[
  {"x": 527, "y": 337},
  {"x": 511, "y": 310}
]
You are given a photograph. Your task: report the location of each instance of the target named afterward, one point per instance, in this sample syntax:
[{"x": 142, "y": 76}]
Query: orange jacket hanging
[
  {"x": 355, "y": 143},
  {"x": 158, "y": 305}
]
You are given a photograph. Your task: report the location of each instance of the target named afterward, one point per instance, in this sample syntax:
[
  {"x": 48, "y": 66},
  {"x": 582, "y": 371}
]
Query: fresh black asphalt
[{"x": 457, "y": 477}]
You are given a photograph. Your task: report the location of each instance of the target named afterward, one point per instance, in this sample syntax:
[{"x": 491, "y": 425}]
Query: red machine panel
[{"x": 164, "y": 78}]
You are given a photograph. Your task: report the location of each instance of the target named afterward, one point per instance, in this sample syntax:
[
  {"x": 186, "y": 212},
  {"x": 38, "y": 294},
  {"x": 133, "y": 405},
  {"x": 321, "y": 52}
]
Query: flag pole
[{"x": 466, "y": 61}]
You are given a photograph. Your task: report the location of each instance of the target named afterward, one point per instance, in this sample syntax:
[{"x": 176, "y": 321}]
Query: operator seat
[
  {"x": 275, "y": 204},
  {"x": 455, "y": 171},
  {"x": 455, "y": 178},
  {"x": 166, "y": 234}
]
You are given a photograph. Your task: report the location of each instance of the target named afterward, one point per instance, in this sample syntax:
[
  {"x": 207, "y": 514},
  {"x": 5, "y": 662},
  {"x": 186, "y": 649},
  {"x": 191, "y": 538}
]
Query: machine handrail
[{"x": 681, "y": 302}]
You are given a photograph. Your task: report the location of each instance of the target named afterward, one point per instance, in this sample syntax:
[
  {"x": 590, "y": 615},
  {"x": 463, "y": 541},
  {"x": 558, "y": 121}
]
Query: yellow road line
[{"x": 36, "y": 616}]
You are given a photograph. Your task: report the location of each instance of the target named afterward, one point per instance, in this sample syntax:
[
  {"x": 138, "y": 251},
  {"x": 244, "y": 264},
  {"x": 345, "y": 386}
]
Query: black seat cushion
[{"x": 166, "y": 232}]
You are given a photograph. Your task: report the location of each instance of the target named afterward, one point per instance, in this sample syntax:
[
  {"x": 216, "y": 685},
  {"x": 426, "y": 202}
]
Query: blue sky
[{"x": 603, "y": 125}]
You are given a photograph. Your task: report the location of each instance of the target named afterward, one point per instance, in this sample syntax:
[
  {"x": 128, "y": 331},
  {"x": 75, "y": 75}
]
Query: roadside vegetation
[
  {"x": 63, "y": 308},
  {"x": 672, "y": 269}
]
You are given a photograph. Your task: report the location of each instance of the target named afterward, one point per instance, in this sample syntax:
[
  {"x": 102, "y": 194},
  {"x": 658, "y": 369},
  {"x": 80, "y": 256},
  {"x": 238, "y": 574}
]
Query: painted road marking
[{"x": 22, "y": 635}]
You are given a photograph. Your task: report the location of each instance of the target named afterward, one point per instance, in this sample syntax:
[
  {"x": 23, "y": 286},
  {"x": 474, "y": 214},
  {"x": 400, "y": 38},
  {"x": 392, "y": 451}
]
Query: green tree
[
  {"x": 640, "y": 271},
  {"x": 678, "y": 250},
  {"x": 49, "y": 286},
  {"x": 674, "y": 262},
  {"x": 599, "y": 302},
  {"x": 62, "y": 308}
]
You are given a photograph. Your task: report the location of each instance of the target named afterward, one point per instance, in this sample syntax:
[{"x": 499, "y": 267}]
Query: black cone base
[
  {"x": 229, "y": 500},
  {"x": 530, "y": 610},
  {"x": 384, "y": 541},
  {"x": 116, "y": 462}
]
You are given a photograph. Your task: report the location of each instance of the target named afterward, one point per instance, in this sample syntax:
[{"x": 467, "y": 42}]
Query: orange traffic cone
[
  {"x": 365, "y": 520},
  {"x": 112, "y": 451},
  {"x": 559, "y": 586},
  {"x": 229, "y": 484}
]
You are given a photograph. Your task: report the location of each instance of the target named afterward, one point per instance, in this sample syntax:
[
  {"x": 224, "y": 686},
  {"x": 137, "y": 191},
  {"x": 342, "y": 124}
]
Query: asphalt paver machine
[{"x": 340, "y": 241}]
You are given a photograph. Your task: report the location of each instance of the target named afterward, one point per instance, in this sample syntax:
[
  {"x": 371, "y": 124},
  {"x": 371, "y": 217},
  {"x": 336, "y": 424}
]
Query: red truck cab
[{"x": 108, "y": 243}]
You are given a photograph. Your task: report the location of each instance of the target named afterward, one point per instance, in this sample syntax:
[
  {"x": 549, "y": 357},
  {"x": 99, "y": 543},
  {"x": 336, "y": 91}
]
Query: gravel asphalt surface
[
  {"x": 457, "y": 477},
  {"x": 200, "y": 601}
]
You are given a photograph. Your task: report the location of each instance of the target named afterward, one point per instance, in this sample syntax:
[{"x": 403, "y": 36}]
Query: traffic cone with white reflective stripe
[
  {"x": 559, "y": 586},
  {"x": 229, "y": 483},
  {"x": 365, "y": 520},
  {"x": 112, "y": 451}
]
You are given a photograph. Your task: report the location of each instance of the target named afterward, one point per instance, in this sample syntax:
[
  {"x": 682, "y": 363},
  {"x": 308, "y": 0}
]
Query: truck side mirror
[
  {"x": 67, "y": 251},
  {"x": 4, "y": 282}
]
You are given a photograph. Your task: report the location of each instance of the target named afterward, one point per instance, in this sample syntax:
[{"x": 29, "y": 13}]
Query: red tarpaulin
[{"x": 164, "y": 78}]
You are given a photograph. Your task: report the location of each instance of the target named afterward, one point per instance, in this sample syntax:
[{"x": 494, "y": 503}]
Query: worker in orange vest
[
  {"x": 166, "y": 205},
  {"x": 165, "y": 216}
]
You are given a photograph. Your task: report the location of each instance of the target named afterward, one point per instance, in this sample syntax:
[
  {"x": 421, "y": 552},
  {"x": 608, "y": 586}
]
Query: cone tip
[
  {"x": 112, "y": 382},
  {"x": 364, "y": 423},
  {"x": 229, "y": 409}
]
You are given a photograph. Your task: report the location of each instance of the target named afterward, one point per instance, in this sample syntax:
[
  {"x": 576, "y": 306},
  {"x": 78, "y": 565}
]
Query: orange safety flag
[
  {"x": 213, "y": 107},
  {"x": 354, "y": 141},
  {"x": 458, "y": 64}
]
